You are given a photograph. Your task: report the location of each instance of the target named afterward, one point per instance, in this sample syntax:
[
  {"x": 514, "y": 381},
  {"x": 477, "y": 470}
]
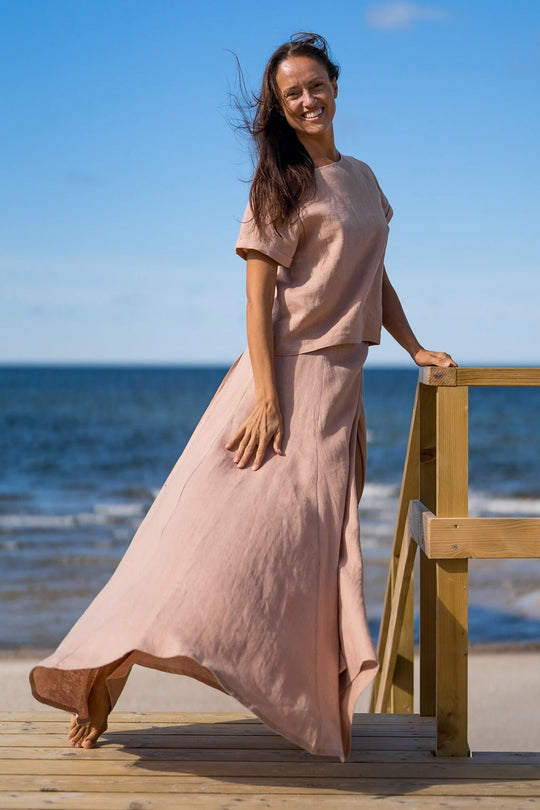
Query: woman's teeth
[{"x": 313, "y": 114}]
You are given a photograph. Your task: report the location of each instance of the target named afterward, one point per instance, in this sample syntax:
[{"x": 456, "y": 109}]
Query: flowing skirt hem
[{"x": 207, "y": 675}]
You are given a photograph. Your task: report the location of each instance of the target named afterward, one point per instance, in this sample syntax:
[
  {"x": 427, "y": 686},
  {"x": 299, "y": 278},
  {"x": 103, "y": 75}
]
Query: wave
[
  {"x": 102, "y": 514},
  {"x": 378, "y": 512}
]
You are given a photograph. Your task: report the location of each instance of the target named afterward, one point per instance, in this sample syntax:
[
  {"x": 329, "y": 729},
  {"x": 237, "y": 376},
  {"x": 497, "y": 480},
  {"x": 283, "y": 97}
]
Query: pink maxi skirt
[{"x": 250, "y": 582}]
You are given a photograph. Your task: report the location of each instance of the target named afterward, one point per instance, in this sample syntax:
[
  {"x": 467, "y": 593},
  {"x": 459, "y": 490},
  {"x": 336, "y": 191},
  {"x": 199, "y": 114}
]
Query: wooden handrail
[
  {"x": 431, "y": 375},
  {"x": 433, "y": 515}
]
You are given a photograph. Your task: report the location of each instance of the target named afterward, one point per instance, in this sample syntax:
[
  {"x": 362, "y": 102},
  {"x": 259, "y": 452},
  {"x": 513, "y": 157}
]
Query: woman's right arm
[{"x": 264, "y": 425}]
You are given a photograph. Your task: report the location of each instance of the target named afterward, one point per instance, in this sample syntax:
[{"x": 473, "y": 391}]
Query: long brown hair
[{"x": 285, "y": 173}]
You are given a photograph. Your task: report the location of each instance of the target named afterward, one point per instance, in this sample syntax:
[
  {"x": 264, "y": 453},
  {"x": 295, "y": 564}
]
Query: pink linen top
[{"x": 330, "y": 261}]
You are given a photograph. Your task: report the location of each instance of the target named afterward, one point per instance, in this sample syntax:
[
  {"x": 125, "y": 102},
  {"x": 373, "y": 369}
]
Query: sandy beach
[{"x": 504, "y": 695}]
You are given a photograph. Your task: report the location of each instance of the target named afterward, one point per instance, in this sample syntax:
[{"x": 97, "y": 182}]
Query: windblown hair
[{"x": 285, "y": 174}]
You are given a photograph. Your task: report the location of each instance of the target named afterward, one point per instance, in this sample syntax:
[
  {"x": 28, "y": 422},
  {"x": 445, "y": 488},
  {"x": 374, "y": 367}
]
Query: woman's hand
[
  {"x": 423, "y": 357},
  {"x": 263, "y": 426}
]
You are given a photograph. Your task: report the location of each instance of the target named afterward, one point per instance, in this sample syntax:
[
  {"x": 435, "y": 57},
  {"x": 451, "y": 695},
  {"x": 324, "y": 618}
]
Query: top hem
[{"x": 306, "y": 347}]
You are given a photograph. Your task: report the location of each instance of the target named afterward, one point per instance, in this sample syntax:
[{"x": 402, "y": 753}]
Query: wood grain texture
[
  {"x": 428, "y": 590},
  {"x": 139, "y": 766},
  {"x": 402, "y": 695},
  {"x": 479, "y": 376},
  {"x": 397, "y": 614},
  {"x": 474, "y": 538},
  {"x": 451, "y": 576}
]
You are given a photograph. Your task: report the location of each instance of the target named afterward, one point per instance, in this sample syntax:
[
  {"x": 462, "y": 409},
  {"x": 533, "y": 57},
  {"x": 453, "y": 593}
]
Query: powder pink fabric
[
  {"x": 248, "y": 581},
  {"x": 330, "y": 261},
  {"x": 252, "y": 581}
]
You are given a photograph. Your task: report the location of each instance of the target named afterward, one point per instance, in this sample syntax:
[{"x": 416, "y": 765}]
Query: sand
[{"x": 504, "y": 695}]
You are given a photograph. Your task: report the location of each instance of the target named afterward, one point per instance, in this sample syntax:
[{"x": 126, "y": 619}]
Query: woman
[{"x": 252, "y": 583}]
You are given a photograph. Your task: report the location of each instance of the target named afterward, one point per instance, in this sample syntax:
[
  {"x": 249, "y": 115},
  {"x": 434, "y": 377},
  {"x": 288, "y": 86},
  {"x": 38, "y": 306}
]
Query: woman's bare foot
[{"x": 86, "y": 734}]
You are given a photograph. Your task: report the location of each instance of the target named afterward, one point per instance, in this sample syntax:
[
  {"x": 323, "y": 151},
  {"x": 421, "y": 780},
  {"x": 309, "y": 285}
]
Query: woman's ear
[{"x": 334, "y": 85}]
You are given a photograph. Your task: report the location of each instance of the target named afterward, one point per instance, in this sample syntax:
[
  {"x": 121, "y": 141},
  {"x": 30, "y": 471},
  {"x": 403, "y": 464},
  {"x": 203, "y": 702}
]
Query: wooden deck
[{"x": 226, "y": 761}]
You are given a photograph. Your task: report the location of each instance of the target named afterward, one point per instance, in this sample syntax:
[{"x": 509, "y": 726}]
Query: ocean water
[{"x": 85, "y": 450}]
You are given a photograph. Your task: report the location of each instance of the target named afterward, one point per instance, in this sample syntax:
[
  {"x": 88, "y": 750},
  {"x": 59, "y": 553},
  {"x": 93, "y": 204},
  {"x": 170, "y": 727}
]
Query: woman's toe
[{"x": 91, "y": 739}]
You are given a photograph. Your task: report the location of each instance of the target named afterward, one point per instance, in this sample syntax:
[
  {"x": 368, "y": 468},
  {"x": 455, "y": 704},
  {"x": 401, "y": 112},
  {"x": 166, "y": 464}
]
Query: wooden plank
[
  {"x": 164, "y": 801},
  {"x": 372, "y": 729},
  {"x": 479, "y": 376},
  {"x": 403, "y": 577},
  {"x": 136, "y": 740},
  {"x": 189, "y": 784},
  {"x": 452, "y": 455},
  {"x": 409, "y": 490},
  {"x": 474, "y": 538},
  {"x": 451, "y": 575},
  {"x": 428, "y": 589},
  {"x": 402, "y": 690},
  {"x": 157, "y": 721},
  {"x": 57, "y": 715},
  {"x": 188, "y": 718},
  {"x": 452, "y": 652},
  {"x": 156, "y": 754},
  {"x": 499, "y": 376},
  {"x": 438, "y": 768},
  {"x": 211, "y": 730}
]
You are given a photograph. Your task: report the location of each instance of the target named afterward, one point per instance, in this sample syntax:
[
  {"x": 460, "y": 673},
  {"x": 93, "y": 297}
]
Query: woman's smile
[{"x": 313, "y": 114}]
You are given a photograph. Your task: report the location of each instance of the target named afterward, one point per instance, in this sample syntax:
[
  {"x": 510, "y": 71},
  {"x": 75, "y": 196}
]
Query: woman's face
[{"x": 307, "y": 95}]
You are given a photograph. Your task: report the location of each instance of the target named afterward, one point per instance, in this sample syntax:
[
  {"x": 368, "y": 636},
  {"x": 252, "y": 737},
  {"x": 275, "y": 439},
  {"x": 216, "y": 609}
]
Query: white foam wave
[
  {"x": 118, "y": 510},
  {"x": 46, "y": 522},
  {"x": 102, "y": 514},
  {"x": 482, "y": 503},
  {"x": 373, "y": 489}
]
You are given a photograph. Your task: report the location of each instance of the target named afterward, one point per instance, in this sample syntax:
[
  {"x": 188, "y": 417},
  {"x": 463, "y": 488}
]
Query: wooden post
[
  {"x": 452, "y": 457},
  {"x": 428, "y": 590}
]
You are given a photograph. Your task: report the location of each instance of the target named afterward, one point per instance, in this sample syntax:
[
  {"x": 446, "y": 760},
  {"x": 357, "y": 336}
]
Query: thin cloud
[{"x": 401, "y": 15}]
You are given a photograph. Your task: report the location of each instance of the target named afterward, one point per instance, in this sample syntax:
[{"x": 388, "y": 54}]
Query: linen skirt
[{"x": 250, "y": 582}]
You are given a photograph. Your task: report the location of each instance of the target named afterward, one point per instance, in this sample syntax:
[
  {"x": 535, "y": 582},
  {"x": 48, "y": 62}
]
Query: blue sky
[{"x": 123, "y": 181}]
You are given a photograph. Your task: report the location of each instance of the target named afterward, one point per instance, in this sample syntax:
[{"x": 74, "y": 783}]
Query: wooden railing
[{"x": 432, "y": 515}]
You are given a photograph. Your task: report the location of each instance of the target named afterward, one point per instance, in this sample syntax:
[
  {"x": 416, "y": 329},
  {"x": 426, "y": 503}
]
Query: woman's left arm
[{"x": 396, "y": 323}]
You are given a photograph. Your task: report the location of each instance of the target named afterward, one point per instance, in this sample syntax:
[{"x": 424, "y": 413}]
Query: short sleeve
[
  {"x": 277, "y": 245},
  {"x": 386, "y": 207}
]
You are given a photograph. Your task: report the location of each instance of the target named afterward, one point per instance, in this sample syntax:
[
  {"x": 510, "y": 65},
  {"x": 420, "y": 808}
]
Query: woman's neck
[{"x": 322, "y": 151}]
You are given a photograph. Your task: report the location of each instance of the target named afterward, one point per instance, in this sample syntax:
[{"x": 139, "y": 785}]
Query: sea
[{"x": 85, "y": 450}]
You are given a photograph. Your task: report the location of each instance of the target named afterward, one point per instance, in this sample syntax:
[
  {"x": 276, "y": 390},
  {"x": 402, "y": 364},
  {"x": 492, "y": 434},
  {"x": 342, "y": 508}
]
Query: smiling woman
[
  {"x": 296, "y": 102},
  {"x": 251, "y": 579}
]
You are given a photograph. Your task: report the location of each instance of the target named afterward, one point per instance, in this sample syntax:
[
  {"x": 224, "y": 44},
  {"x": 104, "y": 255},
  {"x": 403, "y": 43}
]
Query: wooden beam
[
  {"x": 409, "y": 491},
  {"x": 452, "y": 653},
  {"x": 474, "y": 538},
  {"x": 432, "y": 375},
  {"x": 399, "y": 601},
  {"x": 435, "y": 375},
  {"x": 428, "y": 592},
  {"x": 402, "y": 691},
  {"x": 451, "y": 575}
]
